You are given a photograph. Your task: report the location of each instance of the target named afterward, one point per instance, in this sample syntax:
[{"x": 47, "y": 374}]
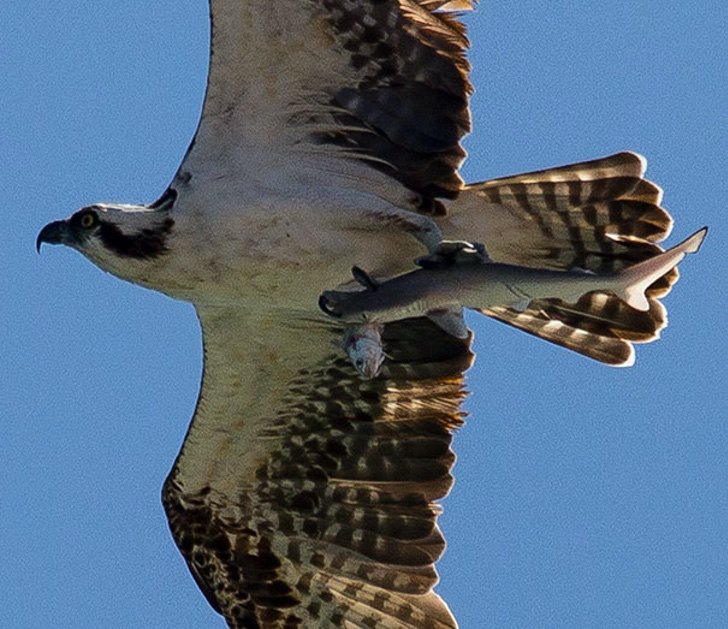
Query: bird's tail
[{"x": 602, "y": 216}]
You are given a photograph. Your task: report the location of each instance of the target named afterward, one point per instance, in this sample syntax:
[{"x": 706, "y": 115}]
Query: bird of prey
[{"x": 305, "y": 494}]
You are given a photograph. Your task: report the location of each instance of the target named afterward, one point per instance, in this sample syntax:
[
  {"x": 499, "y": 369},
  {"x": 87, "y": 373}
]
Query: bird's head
[{"x": 112, "y": 236}]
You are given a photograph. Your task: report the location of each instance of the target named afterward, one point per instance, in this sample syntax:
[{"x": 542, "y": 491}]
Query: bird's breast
[{"x": 277, "y": 254}]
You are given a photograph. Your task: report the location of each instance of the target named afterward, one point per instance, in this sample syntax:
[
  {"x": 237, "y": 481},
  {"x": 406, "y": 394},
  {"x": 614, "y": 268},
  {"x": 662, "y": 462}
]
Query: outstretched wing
[
  {"x": 303, "y": 495},
  {"x": 380, "y": 81}
]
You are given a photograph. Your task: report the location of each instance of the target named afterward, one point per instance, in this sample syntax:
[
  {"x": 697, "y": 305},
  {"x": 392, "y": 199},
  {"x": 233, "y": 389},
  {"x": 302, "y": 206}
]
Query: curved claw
[{"x": 451, "y": 252}]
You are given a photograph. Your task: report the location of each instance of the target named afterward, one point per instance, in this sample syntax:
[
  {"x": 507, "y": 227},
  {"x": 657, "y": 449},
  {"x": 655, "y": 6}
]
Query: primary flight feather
[{"x": 305, "y": 494}]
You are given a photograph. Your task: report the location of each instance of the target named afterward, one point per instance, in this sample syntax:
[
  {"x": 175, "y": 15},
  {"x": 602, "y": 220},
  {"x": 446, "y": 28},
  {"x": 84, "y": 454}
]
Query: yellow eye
[{"x": 87, "y": 220}]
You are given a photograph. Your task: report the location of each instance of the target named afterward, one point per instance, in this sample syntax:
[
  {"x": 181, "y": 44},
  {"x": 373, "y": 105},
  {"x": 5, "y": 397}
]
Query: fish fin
[
  {"x": 602, "y": 324},
  {"x": 363, "y": 278},
  {"x": 451, "y": 320},
  {"x": 635, "y": 296},
  {"x": 639, "y": 277}
]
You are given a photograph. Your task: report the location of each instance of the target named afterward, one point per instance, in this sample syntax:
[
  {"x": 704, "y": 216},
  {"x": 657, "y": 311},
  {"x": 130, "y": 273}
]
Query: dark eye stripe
[{"x": 146, "y": 243}]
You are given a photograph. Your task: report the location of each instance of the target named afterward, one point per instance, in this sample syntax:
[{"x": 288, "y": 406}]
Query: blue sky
[{"x": 585, "y": 496}]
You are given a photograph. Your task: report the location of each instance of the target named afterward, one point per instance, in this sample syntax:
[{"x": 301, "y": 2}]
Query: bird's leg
[
  {"x": 421, "y": 227},
  {"x": 439, "y": 252},
  {"x": 362, "y": 343},
  {"x": 443, "y": 252}
]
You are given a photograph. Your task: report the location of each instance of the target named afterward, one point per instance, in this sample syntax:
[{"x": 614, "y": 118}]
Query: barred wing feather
[
  {"x": 304, "y": 495},
  {"x": 381, "y": 83}
]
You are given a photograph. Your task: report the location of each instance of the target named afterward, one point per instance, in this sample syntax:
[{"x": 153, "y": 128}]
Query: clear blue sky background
[{"x": 586, "y": 496}]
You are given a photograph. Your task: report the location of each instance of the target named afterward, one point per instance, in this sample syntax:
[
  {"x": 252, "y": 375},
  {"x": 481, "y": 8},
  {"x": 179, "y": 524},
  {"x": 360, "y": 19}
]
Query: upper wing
[
  {"x": 379, "y": 81},
  {"x": 303, "y": 495}
]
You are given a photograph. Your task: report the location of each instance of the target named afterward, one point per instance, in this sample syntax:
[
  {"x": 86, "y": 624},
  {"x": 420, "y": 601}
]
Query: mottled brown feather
[
  {"x": 600, "y": 216},
  {"x": 409, "y": 109},
  {"x": 339, "y": 525},
  {"x": 382, "y": 82}
]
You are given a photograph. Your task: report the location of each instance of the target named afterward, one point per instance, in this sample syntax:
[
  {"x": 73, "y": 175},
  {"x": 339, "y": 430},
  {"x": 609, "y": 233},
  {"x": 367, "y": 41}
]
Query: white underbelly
[{"x": 282, "y": 256}]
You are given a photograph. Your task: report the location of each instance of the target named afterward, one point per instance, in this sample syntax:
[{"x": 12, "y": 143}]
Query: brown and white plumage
[
  {"x": 601, "y": 216},
  {"x": 304, "y": 495},
  {"x": 317, "y": 507},
  {"x": 383, "y": 81}
]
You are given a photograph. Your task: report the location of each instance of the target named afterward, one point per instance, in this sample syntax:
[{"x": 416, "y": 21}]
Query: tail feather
[
  {"x": 602, "y": 216},
  {"x": 600, "y": 325},
  {"x": 647, "y": 192},
  {"x": 605, "y": 348}
]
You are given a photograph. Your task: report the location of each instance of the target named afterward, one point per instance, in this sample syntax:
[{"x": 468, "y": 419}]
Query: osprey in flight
[{"x": 305, "y": 492}]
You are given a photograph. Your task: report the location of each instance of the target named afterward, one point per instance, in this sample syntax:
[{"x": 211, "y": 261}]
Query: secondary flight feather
[{"x": 305, "y": 494}]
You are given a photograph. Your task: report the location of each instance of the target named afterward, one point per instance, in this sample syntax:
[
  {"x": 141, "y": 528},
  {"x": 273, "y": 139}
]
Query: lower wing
[{"x": 304, "y": 494}]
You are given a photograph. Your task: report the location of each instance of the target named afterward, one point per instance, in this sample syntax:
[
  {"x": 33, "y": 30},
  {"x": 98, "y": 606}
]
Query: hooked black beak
[{"x": 55, "y": 233}]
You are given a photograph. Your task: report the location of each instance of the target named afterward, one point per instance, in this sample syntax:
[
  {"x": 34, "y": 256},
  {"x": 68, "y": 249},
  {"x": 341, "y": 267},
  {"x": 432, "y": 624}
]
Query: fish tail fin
[{"x": 634, "y": 281}]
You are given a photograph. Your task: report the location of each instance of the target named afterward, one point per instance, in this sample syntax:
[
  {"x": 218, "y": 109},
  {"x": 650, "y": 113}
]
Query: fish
[
  {"x": 441, "y": 291},
  {"x": 363, "y": 346}
]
